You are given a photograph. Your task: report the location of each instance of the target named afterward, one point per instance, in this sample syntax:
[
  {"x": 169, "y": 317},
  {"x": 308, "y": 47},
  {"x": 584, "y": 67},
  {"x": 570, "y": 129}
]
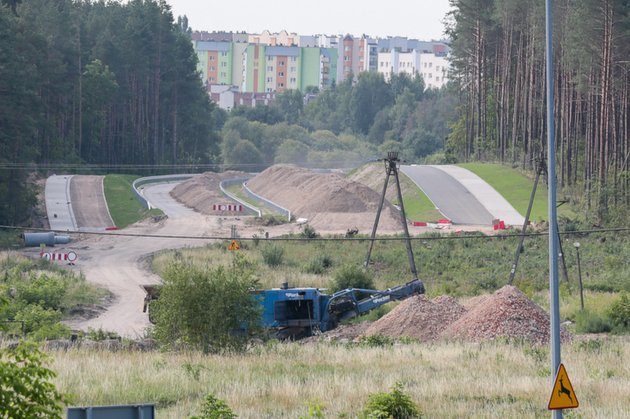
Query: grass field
[
  {"x": 123, "y": 204},
  {"x": 516, "y": 188},
  {"x": 495, "y": 379}
]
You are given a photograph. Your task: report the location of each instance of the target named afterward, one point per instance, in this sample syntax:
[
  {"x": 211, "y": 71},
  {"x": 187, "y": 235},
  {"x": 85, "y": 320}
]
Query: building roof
[
  {"x": 213, "y": 46},
  {"x": 283, "y": 51}
]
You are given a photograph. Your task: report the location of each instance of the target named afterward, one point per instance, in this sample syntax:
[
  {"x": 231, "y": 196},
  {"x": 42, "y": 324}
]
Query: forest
[
  {"x": 498, "y": 70},
  {"x": 102, "y": 83},
  {"x": 114, "y": 85}
]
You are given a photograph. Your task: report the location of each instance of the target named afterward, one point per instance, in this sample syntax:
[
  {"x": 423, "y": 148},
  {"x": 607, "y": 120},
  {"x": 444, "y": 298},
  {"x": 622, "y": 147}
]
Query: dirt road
[{"x": 88, "y": 202}]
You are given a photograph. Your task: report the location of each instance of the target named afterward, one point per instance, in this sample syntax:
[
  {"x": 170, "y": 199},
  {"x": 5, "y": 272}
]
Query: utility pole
[
  {"x": 391, "y": 168},
  {"x": 554, "y": 293}
]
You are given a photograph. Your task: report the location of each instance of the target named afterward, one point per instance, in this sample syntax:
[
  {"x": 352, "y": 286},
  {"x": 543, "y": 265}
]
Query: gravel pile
[
  {"x": 328, "y": 200},
  {"x": 202, "y": 191},
  {"x": 418, "y": 317},
  {"x": 506, "y": 313}
]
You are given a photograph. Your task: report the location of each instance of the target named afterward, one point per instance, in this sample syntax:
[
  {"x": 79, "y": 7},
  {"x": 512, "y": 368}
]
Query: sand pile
[
  {"x": 328, "y": 200},
  {"x": 418, "y": 317},
  {"x": 202, "y": 191},
  {"x": 506, "y": 313}
]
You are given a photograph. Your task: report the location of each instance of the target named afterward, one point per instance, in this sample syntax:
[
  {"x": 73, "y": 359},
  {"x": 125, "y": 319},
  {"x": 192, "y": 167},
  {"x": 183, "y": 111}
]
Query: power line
[{"x": 321, "y": 239}]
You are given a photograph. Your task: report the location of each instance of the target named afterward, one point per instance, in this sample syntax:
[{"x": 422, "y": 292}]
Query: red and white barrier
[
  {"x": 227, "y": 207},
  {"x": 68, "y": 257}
]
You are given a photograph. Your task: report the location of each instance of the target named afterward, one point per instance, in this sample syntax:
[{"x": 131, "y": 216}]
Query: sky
[{"x": 420, "y": 19}]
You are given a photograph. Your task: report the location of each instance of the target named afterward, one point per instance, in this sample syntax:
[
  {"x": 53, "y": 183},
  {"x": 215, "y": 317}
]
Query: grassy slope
[
  {"x": 123, "y": 204},
  {"x": 516, "y": 188},
  {"x": 238, "y": 191},
  {"x": 273, "y": 380}
]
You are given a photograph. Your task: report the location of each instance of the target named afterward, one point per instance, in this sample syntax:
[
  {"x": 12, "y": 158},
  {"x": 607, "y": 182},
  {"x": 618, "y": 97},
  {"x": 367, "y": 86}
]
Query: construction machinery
[{"x": 293, "y": 313}]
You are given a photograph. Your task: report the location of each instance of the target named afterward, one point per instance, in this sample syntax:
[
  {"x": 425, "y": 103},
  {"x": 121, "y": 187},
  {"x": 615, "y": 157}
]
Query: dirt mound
[
  {"x": 373, "y": 176},
  {"x": 202, "y": 191},
  {"x": 328, "y": 200},
  {"x": 418, "y": 317},
  {"x": 506, "y": 313}
]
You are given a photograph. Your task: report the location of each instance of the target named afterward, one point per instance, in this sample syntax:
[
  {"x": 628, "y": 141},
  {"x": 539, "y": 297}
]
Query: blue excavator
[{"x": 293, "y": 313}]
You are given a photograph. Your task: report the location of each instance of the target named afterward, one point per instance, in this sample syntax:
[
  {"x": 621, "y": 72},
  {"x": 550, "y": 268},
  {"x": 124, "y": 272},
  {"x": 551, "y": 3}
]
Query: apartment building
[{"x": 234, "y": 63}]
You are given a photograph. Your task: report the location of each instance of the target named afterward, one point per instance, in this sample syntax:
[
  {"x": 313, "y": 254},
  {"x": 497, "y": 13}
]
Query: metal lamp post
[{"x": 577, "y": 251}]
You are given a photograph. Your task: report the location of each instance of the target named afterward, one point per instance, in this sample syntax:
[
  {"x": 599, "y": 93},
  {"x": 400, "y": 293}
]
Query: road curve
[
  {"x": 116, "y": 263},
  {"x": 449, "y": 196}
]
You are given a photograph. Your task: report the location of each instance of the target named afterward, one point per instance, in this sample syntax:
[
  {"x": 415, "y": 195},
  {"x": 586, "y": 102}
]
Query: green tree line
[
  {"x": 97, "y": 82},
  {"x": 498, "y": 67}
]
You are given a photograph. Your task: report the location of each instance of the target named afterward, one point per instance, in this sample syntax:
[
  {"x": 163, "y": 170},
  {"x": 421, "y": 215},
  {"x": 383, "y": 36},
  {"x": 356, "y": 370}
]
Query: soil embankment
[
  {"x": 202, "y": 192},
  {"x": 328, "y": 200}
]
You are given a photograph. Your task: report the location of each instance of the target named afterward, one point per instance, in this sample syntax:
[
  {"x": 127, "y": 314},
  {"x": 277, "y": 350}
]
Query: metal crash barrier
[{"x": 135, "y": 411}]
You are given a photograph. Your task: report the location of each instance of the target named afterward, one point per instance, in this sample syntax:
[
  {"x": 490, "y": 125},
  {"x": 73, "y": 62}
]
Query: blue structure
[
  {"x": 137, "y": 411},
  {"x": 298, "y": 312}
]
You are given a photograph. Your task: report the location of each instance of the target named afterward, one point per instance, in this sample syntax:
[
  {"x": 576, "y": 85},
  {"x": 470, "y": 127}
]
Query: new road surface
[{"x": 450, "y": 197}]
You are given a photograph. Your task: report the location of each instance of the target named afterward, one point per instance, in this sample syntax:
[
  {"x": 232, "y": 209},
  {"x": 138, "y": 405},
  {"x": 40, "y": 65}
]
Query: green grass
[
  {"x": 10, "y": 239},
  {"x": 123, "y": 204},
  {"x": 446, "y": 379},
  {"x": 516, "y": 188}
]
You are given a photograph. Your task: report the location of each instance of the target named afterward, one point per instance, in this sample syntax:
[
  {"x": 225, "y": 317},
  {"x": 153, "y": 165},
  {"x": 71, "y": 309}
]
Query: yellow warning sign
[
  {"x": 234, "y": 245},
  {"x": 562, "y": 396}
]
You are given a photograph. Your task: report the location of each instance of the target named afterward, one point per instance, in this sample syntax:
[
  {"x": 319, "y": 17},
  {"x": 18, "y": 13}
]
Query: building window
[
  {"x": 281, "y": 74},
  {"x": 437, "y": 68},
  {"x": 430, "y": 65},
  {"x": 211, "y": 78},
  {"x": 293, "y": 80},
  {"x": 293, "y": 69},
  {"x": 212, "y": 68},
  {"x": 269, "y": 79},
  {"x": 223, "y": 64},
  {"x": 281, "y": 63},
  {"x": 211, "y": 58},
  {"x": 294, "y": 59},
  {"x": 223, "y": 74},
  {"x": 269, "y": 68},
  {"x": 281, "y": 85},
  {"x": 346, "y": 48},
  {"x": 437, "y": 79}
]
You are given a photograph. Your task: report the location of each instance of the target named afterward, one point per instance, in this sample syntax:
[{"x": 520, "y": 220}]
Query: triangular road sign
[
  {"x": 234, "y": 245},
  {"x": 562, "y": 395}
]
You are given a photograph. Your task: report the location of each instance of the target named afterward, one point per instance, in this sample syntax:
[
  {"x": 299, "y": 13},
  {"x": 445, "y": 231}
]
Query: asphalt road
[
  {"x": 449, "y": 196},
  {"x": 159, "y": 196},
  {"x": 88, "y": 202},
  {"x": 58, "y": 203}
]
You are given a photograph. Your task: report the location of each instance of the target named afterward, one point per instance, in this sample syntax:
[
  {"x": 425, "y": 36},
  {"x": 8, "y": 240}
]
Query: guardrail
[
  {"x": 154, "y": 179},
  {"x": 224, "y": 184},
  {"x": 267, "y": 203}
]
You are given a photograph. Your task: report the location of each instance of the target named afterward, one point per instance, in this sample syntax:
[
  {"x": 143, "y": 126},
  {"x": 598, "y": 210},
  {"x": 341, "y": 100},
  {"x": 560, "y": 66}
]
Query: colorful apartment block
[{"x": 232, "y": 64}]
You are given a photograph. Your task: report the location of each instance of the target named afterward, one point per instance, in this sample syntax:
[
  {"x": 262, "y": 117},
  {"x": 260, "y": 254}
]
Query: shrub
[
  {"x": 619, "y": 313},
  {"x": 25, "y": 382},
  {"x": 395, "y": 404},
  {"x": 215, "y": 408},
  {"x": 376, "y": 341},
  {"x": 318, "y": 264},
  {"x": 209, "y": 309},
  {"x": 308, "y": 232},
  {"x": 587, "y": 322},
  {"x": 351, "y": 276},
  {"x": 272, "y": 255}
]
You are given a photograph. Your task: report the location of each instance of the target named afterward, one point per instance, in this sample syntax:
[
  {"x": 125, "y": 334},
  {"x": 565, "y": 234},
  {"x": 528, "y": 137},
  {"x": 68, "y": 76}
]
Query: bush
[
  {"x": 25, "y": 382},
  {"x": 587, "y": 322},
  {"x": 396, "y": 405},
  {"x": 214, "y": 408},
  {"x": 619, "y": 313},
  {"x": 376, "y": 341},
  {"x": 272, "y": 255},
  {"x": 308, "y": 232},
  {"x": 318, "y": 264},
  {"x": 209, "y": 309},
  {"x": 351, "y": 276}
]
